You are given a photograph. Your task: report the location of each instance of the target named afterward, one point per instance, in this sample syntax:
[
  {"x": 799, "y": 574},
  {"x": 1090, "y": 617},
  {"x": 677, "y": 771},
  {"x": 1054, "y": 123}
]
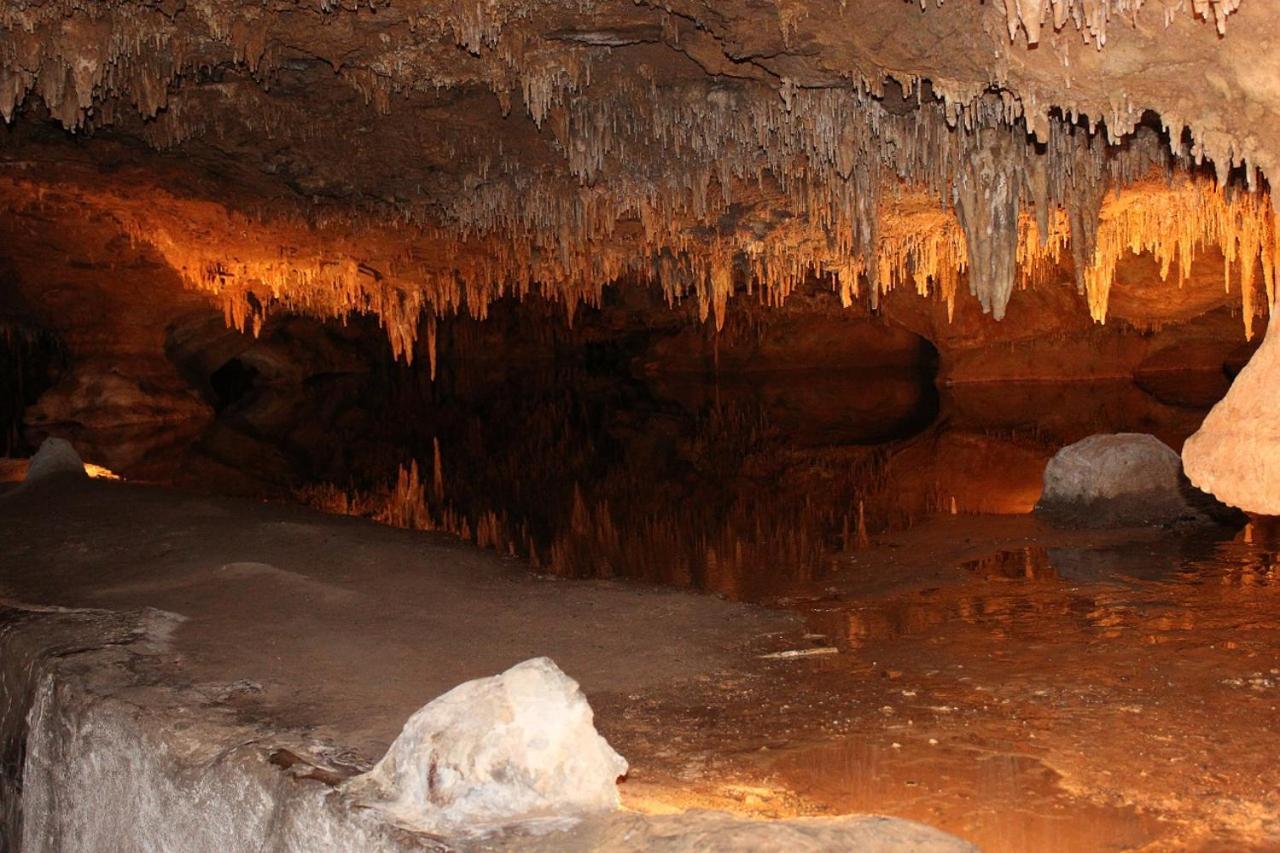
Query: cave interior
[{"x": 732, "y": 355}]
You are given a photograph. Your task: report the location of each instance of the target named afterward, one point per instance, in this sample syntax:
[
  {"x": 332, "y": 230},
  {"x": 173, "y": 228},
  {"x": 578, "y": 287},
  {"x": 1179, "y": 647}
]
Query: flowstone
[{"x": 1235, "y": 455}]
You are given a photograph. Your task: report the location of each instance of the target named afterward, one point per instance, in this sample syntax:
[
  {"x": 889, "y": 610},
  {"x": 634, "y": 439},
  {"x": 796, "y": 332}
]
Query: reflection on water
[
  {"x": 743, "y": 486},
  {"x": 1170, "y": 583},
  {"x": 1001, "y": 801},
  {"x": 1052, "y": 695},
  {"x": 1029, "y": 563},
  {"x": 1062, "y": 698},
  {"x": 685, "y": 482}
]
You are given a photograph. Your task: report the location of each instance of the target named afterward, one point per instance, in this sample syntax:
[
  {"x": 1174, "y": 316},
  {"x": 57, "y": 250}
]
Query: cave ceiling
[{"x": 411, "y": 159}]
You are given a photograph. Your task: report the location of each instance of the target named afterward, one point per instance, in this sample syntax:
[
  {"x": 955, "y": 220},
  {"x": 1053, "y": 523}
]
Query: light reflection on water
[
  {"x": 743, "y": 486},
  {"x": 1001, "y": 801},
  {"x": 1063, "y": 698}
]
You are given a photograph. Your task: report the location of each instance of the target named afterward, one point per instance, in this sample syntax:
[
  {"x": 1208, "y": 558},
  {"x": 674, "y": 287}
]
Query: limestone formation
[
  {"x": 514, "y": 747},
  {"x": 414, "y": 160},
  {"x": 56, "y": 459},
  {"x": 112, "y": 756},
  {"x": 1236, "y": 453},
  {"x": 1117, "y": 480},
  {"x": 716, "y": 832}
]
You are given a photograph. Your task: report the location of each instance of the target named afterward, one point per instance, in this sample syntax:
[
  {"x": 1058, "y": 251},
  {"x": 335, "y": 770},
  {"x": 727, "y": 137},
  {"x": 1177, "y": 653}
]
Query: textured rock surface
[
  {"x": 124, "y": 421},
  {"x": 1236, "y": 453},
  {"x": 412, "y": 160},
  {"x": 1126, "y": 478},
  {"x": 113, "y": 761},
  {"x": 494, "y": 751},
  {"x": 113, "y": 758},
  {"x": 55, "y": 458},
  {"x": 694, "y": 831}
]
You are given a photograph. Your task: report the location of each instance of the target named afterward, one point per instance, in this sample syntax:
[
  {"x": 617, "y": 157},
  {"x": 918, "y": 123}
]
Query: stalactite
[
  {"x": 705, "y": 180},
  {"x": 1091, "y": 17},
  {"x": 431, "y": 344},
  {"x": 1173, "y": 223},
  {"x": 986, "y": 196}
]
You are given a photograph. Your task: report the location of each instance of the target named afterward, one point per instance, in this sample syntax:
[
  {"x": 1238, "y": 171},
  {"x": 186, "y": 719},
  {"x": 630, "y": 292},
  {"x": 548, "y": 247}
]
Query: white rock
[
  {"x": 56, "y": 457},
  {"x": 495, "y": 751}
]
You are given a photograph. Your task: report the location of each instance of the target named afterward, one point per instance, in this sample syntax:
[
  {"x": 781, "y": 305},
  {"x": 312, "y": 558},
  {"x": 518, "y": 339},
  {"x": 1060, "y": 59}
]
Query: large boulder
[
  {"x": 1120, "y": 479},
  {"x": 1235, "y": 455},
  {"x": 496, "y": 751},
  {"x": 55, "y": 458}
]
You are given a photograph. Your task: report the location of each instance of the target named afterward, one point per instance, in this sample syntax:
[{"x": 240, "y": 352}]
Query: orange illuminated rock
[
  {"x": 1236, "y": 453},
  {"x": 431, "y": 158}
]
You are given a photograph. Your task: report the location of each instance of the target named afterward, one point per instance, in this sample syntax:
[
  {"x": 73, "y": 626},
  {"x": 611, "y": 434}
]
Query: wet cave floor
[
  {"x": 1020, "y": 687},
  {"x": 782, "y": 597}
]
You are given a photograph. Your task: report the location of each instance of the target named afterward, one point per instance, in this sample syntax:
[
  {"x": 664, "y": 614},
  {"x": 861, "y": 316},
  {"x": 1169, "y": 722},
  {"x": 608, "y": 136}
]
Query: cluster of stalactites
[
  {"x": 404, "y": 275},
  {"x": 918, "y": 245},
  {"x": 1091, "y": 17},
  {"x": 828, "y": 158},
  {"x": 81, "y": 59},
  {"x": 87, "y": 61},
  {"x": 1173, "y": 224}
]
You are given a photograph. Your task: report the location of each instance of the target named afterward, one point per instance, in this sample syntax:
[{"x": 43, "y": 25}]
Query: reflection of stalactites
[
  {"x": 431, "y": 344},
  {"x": 985, "y": 193},
  {"x": 864, "y": 540},
  {"x": 437, "y": 471},
  {"x": 406, "y": 507}
]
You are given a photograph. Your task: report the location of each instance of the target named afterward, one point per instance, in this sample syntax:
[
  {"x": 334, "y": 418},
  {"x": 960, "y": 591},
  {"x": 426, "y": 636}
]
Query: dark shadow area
[
  {"x": 34, "y": 359},
  {"x": 232, "y": 383}
]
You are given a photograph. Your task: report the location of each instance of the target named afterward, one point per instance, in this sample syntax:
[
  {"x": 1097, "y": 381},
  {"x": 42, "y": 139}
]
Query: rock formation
[
  {"x": 515, "y": 747},
  {"x": 1236, "y": 453},
  {"x": 413, "y": 160},
  {"x": 55, "y": 458}
]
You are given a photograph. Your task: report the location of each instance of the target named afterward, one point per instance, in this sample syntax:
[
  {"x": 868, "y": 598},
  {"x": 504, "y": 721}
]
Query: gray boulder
[
  {"x": 1121, "y": 480},
  {"x": 55, "y": 458}
]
